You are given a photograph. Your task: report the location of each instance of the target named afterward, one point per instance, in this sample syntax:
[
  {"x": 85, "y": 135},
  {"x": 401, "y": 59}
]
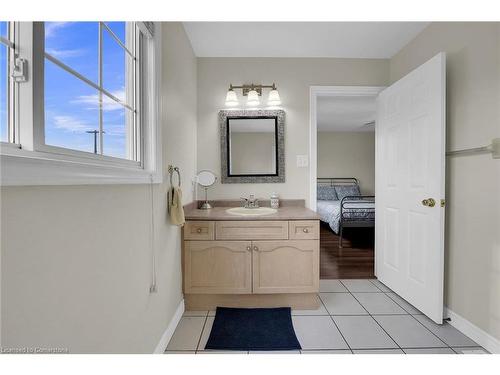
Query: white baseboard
[
  {"x": 484, "y": 339},
  {"x": 169, "y": 332}
]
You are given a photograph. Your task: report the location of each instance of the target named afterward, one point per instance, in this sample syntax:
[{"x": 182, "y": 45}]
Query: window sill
[{"x": 20, "y": 168}]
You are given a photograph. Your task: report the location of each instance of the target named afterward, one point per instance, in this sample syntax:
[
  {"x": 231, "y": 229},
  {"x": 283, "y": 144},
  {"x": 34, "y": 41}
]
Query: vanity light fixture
[
  {"x": 253, "y": 98},
  {"x": 231, "y": 97},
  {"x": 253, "y": 92}
]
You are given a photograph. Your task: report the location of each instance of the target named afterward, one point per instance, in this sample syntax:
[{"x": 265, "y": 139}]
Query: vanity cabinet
[
  {"x": 251, "y": 257},
  {"x": 285, "y": 266},
  {"x": 219, "y": 267}
]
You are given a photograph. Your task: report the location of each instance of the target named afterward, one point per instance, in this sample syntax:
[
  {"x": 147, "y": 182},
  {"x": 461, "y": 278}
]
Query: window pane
[
  {"x": 75, "y": 44},
  {"x": 116, "y": 67},
  {"x": 4, "y": 27},
  {"x": 115, "y": 120},
  {"x": 4, "y": 92},
  {"x": 118, "y": 29},
  {"x": 71, "y": 110}
]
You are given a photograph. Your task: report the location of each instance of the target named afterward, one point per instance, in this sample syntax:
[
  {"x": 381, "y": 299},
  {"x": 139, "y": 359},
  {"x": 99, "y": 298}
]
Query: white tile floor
[{"x": 355, "y": 316}]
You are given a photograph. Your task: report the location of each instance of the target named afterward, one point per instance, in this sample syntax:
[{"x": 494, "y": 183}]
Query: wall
[
  {"x": 293, "y": 76},
  {"x": 472, "y": 282},
  {"x": 348, "y": 154},
  {"x": 76, "y": 260}
]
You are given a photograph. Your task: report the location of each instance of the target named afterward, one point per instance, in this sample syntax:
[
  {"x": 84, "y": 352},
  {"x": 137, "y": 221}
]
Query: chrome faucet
[{"x": 250, "y": 202}]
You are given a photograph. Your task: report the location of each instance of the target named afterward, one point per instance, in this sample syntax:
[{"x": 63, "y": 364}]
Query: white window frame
[{"x": 32, "y": 162}]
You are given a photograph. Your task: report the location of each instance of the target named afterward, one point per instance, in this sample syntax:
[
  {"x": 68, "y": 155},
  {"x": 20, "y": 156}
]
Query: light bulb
[
  {"x": 253, "y": 98},
  {"x": 231, "y": 98},
  {"x": 274, "y": 97}
]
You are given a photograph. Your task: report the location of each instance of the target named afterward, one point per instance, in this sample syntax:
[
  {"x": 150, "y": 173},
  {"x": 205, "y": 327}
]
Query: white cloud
[
  {"x": 108, "y": 103},
  {"x": 71, "y": 124},
  {"x": 52, "y": 27},
  {"x": 65, "y": 53}
]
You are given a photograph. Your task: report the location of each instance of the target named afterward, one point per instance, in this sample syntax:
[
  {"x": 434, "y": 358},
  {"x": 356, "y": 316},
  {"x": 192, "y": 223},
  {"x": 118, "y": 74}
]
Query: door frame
[{"x": 314, "y": 93}]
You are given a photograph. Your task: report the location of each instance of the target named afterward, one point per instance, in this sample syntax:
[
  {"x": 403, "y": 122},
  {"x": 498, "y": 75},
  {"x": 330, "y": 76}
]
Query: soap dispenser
[{"x": 275, "y": 201}]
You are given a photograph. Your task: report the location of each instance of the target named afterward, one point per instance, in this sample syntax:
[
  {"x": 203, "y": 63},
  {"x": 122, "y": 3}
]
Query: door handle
[
  {"x": 256, "y": 248},
  {"x": 249, "y": 248},
  {"x": 429, "y": 202}
]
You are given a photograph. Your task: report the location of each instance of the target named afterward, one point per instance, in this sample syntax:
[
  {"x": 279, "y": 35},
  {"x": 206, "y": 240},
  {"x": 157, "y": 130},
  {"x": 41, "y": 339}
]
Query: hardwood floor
[{"x": 354, "y": 261}]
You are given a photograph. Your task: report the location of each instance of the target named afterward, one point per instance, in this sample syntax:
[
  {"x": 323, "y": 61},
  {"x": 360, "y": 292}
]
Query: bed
[{"x": 341, "y": 205}]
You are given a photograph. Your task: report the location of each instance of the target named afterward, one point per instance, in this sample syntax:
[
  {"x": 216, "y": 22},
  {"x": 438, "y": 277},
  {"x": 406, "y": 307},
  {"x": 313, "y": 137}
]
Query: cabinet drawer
[
  {"x": 199, "y": 230},
  {"x": 304, "y": 230},
  {"x": 251, "y": 230}
]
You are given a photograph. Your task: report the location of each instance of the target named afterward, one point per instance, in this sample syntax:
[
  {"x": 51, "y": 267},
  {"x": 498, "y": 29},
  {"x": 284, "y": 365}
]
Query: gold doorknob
[{"x": 429, "y": 202}]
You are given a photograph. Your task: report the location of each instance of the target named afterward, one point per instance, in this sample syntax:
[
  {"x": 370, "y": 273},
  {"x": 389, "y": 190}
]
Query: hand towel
[{"x": 175, "y": 206}]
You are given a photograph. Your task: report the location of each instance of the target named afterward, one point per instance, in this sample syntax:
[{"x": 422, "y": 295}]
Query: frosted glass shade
[
  {"x": 274, "y": 98},
  {"x": 253, "y": 98},
  {"x": 231, "y": 98}
]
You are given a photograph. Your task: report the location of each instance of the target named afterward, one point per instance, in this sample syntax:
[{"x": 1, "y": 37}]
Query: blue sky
[{"x": 71, "y": 105}]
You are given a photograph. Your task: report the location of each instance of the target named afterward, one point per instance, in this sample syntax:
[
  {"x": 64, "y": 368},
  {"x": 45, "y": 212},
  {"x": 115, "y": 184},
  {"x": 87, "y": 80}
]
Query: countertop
[{"x": 285, "y": 212}]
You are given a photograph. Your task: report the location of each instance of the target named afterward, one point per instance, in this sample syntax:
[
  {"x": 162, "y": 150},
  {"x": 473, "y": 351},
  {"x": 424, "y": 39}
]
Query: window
[
  {"x": 79, "y": 100},
  {"x": 6, "y": 49},
  {"x": 91, "y": 87}
]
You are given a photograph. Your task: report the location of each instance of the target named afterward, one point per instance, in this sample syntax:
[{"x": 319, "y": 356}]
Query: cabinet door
[
  {"x": 285, "y": 266},
  {"x": 217, "y": 267}
]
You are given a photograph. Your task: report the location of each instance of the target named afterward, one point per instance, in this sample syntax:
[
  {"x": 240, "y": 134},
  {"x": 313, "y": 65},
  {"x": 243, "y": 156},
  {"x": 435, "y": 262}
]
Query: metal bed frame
[{"x": 345, "y": 220}]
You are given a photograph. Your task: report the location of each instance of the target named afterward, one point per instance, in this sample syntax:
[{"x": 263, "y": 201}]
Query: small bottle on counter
[{"x": 275, "y": 200}]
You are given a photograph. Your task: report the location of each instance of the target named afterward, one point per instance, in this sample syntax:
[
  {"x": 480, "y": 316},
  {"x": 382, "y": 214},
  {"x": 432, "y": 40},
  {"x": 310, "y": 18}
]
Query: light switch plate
[{"x": 302, "y": 161}]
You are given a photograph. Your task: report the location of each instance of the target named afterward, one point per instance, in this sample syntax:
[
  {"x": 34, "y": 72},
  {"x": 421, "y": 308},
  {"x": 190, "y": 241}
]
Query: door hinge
[{"x": 443, "y": 202}]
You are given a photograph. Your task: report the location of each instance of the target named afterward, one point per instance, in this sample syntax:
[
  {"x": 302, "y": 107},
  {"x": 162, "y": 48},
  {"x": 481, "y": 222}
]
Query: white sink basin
[{"x": 242, "y": 211}]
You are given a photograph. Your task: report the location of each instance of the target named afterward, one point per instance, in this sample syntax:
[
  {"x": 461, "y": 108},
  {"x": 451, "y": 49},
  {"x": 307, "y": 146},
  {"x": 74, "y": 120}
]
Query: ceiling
[
  {"x": 346, "y": 114},
  {"x": 381, "y": 40}
]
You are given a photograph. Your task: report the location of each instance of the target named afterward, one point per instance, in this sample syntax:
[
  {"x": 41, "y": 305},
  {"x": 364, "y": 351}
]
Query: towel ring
[{"x": 171, "y": 170}]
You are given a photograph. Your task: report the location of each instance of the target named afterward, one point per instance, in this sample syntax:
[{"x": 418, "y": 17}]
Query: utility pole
[{"x": 95, "y": 132}]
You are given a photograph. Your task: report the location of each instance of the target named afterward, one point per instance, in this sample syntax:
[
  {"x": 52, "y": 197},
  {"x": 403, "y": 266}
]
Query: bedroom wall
[
  {"x": 76, "y": 260},
  {"x": 348, "y": 154},
  {"x": 472, "y": 282},
  {"x": 293, "y": 76}
]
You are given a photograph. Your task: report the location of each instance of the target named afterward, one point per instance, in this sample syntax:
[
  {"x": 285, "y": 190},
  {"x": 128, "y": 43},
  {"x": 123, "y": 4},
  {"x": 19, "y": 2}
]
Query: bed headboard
[{"x": 330, "y": 181}]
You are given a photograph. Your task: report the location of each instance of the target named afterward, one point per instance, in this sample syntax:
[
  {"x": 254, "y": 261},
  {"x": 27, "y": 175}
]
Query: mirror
[
  {"x": 252, "y": 146},
  {"x": 206, "y": 179}
]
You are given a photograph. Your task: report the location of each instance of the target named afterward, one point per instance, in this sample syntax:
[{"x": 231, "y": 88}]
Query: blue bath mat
[{"x": 253, "y": 329}]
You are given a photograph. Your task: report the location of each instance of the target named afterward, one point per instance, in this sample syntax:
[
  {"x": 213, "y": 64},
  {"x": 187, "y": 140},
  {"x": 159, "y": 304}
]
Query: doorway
[{"x": 343, "y": 178}]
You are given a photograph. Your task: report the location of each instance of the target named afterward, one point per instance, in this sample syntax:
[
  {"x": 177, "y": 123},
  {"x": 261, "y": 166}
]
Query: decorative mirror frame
[{"x": 224, "y": 116}]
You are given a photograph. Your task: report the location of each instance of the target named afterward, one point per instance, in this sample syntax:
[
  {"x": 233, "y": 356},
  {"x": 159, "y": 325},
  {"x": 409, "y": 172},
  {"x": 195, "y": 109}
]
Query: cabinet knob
[
  {"x": 249, "y": 248},
  {"x": 198, "y": 230},
  {"x": 256, "y": 248},
  {"x": 305, "y": 230}
]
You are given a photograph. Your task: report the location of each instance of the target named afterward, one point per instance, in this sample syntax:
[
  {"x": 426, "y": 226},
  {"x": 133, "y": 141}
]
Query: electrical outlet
[{"x": 302, "y": 161}]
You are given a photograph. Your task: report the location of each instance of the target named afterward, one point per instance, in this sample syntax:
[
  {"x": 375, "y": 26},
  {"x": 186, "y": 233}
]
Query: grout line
[
  {"x": 201, "y": 334},
  {"x": 387, "y": 333},
  {"x": 336, "y": 326},
  {"x": 439, "y": 338}
]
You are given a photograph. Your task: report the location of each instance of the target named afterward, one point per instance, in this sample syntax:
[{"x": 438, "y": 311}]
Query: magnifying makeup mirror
[{"x": 206, "y": 179}]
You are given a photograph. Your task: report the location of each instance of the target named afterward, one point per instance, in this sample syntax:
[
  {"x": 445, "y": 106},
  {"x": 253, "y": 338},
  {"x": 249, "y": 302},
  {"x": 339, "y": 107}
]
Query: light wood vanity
[{"x": 263, "y": 261}]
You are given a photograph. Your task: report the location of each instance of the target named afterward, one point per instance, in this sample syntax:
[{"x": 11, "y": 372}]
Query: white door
[{"x": 410, "y": 173}]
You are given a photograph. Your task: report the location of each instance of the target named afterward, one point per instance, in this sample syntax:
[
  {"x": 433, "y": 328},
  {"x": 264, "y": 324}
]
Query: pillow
[
  {"x": 347, "y": 190},
  {"x": 326, "y": 193}
]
